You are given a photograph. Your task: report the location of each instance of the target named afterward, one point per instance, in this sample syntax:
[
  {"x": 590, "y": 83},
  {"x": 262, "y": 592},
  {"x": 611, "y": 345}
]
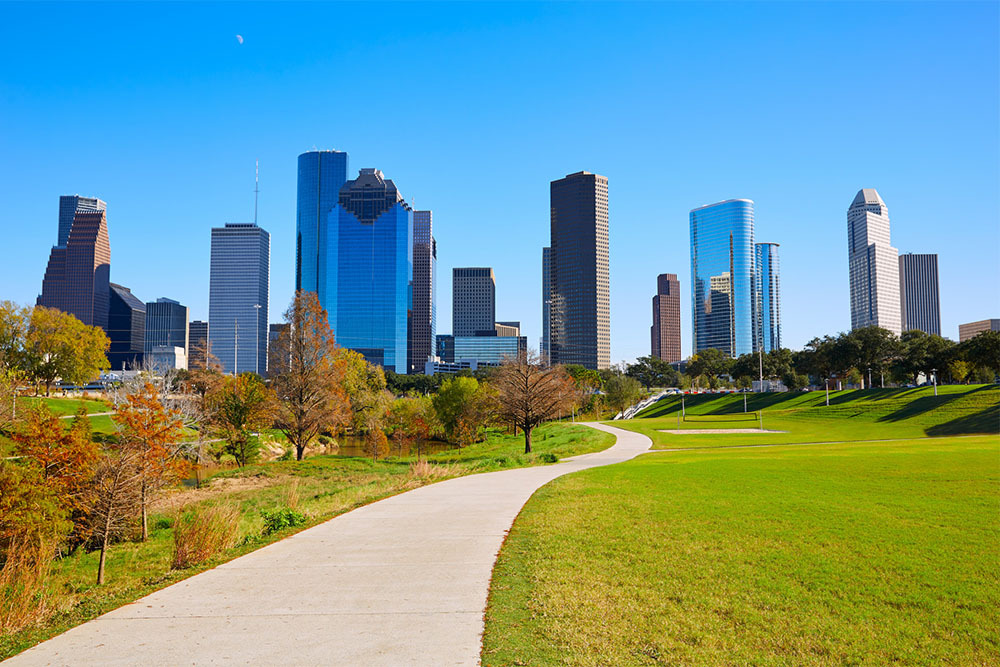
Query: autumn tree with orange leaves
[
  {"x": 155, "y": 434},
  {"x": 308, "y": 375}
]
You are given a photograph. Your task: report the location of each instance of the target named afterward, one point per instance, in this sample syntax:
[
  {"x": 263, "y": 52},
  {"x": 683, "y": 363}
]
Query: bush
[
  {"x": 280, "y": 519},
  {"x": 200, "y": 534},
  {"x": 548, "y": 457},
  {"x": 162, "y": 523}
]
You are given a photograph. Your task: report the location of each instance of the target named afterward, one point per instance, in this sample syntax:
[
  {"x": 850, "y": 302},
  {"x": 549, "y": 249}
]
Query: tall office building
[
  {"x": 166, "y": 325},
  {"x": 369, "y": 251},
  {"x": 237, "y": 297},
  {"x": 665, "y": 334},
  {"x": 320, "y": 177},
  {"x": 197, "y": 344},
  {"x": 920, "y": 307},
  {"x": 722, "y": 267},
  {"x": 580, "y": 309},
  {"x": 69, "y": 206},
  {"x": 873, "y": 263},
  {"x": 423, "y": 319},
  {"x": 767, "y": 297},
  {"x": 77, "y": 278},
  {"x": 126, "y": 329},
  {"x": 543, "y": 345},
  {"x": 973, "y": 329},
  {"x": 473, "y": 300}
]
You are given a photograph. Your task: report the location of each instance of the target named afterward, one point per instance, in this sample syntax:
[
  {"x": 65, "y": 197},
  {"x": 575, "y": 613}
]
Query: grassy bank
[
  {"x": 874, "y": 414},
  {"x": 827, "y": 554},
  {"x": 321, "y": 487}
]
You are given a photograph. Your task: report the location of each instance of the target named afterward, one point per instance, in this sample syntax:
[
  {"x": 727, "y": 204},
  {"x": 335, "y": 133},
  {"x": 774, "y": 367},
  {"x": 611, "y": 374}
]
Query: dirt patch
[
  {"x": 716, "y": 431},
  {"x": 174, "y": 499}
]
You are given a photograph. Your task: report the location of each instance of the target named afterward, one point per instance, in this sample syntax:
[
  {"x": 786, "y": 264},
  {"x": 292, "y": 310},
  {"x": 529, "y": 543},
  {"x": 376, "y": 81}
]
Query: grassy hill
[{"x": 874, "y": 414}]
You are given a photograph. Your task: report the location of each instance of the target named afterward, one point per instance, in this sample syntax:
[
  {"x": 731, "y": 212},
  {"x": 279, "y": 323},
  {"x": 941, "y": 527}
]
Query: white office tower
[{"x": 874, "y": 264}]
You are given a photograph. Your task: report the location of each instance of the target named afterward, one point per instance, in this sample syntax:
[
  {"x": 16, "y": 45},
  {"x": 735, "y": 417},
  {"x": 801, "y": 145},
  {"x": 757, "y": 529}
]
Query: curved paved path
[{"x": 402, "y": 581}]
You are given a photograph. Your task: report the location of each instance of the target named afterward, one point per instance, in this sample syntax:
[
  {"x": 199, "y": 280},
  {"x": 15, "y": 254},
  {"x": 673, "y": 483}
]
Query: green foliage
[
  {"x": 548, "y": 457},
  {"x": 622, "y": 391},
  {"x": 279, "y": 519},
  {"x": 653, "y": 372}
]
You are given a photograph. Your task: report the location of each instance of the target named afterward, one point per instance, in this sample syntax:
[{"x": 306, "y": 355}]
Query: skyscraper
[
  {"x": 69, "y": 206},
  {"x": 543, "y": 345},
  {"x": 321, "y": 175},
  {"x": 920, "y": 307},
  {"x": 369, "y": 252},
  {"x": 665, "y": 333},
  {"x": 126, "y": 329},
  {"x": 768, "y": 297},
  {"x": 238, "y": 296},
  {"x": 873, "y": 263},
  {"x": 197, "y": 344},
  {"x": 722, "y": 267},
  {"x": 166, "y": 324},
  {"x": 580, "y": 312},
  {"x": 77, "y": 278},
  {"x": 423, "y": 321},
  {"x": 473, "y": 300}
]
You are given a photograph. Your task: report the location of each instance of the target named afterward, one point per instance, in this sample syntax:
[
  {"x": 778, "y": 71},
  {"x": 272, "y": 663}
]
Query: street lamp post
[
  {"x": 869, "y": 377},
  {"x": 934, "y": 371},
  {"x": 256, "y": 358}
]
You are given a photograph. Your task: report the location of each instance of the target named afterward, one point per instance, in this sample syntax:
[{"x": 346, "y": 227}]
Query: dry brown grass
[
  {"x": 200, "y": 534},
  {"x": 422, "y": 469},
  {"x": 290, "y": 494},
  {"x": 23, "y": 600}
]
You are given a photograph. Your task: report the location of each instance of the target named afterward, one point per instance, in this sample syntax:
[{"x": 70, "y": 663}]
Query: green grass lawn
[
  {"x": 826, "y": 554},
  {"x": 876, "y": 414},
  {"x": 325, "y": 486},
  {"x": 64, "y": 406}
]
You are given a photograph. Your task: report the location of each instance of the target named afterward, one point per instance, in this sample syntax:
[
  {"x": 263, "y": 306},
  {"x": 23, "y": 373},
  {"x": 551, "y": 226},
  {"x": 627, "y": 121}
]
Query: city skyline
[{"x": 802, "y": 174}]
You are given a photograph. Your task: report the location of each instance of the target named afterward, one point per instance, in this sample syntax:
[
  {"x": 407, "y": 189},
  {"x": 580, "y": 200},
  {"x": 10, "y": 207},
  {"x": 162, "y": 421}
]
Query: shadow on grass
[{"x": 985, "y": 421}]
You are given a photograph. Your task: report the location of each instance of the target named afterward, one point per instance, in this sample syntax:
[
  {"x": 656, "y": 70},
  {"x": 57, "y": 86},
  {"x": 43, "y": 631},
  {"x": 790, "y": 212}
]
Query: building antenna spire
[{"x": 256, "y": 188}]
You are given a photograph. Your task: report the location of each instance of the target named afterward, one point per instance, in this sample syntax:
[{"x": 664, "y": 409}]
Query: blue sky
[{"x": 473, "y": 108}]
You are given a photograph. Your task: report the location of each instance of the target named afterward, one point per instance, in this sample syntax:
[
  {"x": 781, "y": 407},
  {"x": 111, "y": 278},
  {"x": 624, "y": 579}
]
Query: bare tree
[
  {"x": 308, "y": 375},
  {"x": 529, "y": 392},
  {"x": 115, "y": 500}
]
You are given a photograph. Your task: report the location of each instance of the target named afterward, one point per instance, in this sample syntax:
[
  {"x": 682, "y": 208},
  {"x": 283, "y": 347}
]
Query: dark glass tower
[
  {"x": 580, "y": 320},
  {"x": 365, "y": 286},
  {"x": 167, "y": 324},
  {"x": 722, "y": 265},
  {"x": 543, "y": 345},
  {"x": 665, "y": 334},
  {"x": 126, "y": 329},
  {"x": 768, "y": 297},
  {"x": 423, "y": 319},
  {"x": 321, "y": 175},
  {"x": 69, "y": 206}
]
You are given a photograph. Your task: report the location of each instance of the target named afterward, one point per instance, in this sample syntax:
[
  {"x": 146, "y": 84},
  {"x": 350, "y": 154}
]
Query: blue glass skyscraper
[
  {"x": 321, "y": 175},
  {"x": 768, "y": 295},
  {"x": 722, "y": 267},
  {"x": 367, "y": 260}
]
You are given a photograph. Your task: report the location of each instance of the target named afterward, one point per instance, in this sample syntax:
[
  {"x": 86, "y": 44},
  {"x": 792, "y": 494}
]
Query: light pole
[
  {"x": 827, "y": 383},
  {"x": 256, "y": 359},
  {"x": 869, "y": 377},
  {"x": 760, "y": 351},
  {"x": 934, "y": 371}
]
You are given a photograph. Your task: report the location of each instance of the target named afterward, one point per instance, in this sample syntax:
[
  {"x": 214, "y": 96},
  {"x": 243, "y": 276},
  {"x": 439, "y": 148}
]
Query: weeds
[
  {"x": 280, "y": 519},
  {"x": 423, "y": 470},
  {"x": 200, "y": 534},
  {"x": 22, "y": 582}
]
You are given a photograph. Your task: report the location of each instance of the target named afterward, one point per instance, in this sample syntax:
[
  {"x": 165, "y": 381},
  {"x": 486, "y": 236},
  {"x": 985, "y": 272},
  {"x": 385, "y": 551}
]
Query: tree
[
  {"x": 983, "y": 351},
  {"x": 240, "y": 406},
  {"x": 461, "y": 408},
  {"x": 145, "y": 425},
  {"x": 408, "y": 423},
  {"x": 309, "y": 378},
  {"x": 14, "y": 321},
  {"x": 9, "y": 380},
  {"x": 709, "y": 362},
  {"x": 622, "y": 391},
  {"x": 875, "y": 348},
  {"x": 116, "y": 497},
  {"x": 653, "y": 372},
  {"x": 958, "y": 370},
  {"x": 59, "y": 346},
  {"x": 529, "y": 392}
]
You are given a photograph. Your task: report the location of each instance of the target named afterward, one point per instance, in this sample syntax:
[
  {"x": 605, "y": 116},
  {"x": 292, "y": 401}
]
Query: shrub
[
  {"x": 162, "y": 523},
  {"x": 548, "y": 457},
  {"x": 500, "y": 460},
  {"x": 200, "y": 534},
  {"x": 280, "y": 519},
  {"x": 423, "y": 470}
]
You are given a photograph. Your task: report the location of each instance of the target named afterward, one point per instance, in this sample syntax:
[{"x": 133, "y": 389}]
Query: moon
[{"x": 239, "y": 38}]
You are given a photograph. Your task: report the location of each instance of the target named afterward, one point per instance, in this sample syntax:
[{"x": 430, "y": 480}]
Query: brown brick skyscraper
[
  {"x": 666, "y": 329},
  {"x": 77, "y": 277}
]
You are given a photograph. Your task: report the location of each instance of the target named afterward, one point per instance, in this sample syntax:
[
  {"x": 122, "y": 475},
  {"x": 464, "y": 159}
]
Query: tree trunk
[
  {"x": 527, "y": 440},
  {"x": 300, "y": 451},
  {"x": 104, "y": 548},
  {"x": 145, "y": 522}
]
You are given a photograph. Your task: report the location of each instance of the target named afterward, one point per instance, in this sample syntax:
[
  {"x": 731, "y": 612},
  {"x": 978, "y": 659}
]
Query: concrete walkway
[{"x": 399, "y": 582}]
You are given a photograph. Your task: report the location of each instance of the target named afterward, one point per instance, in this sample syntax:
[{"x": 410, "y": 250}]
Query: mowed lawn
[
  {"x": 875, "y": 414},
  {"x": 823, "y": 554}
]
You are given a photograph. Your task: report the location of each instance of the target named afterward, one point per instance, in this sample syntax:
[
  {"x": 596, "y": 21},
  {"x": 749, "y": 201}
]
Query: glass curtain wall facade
[
  {"x": 239, "y": 281},
  {"x": 873, "y": 264},
  {"x": 166, "y": 324},
  {"x": 321, "y": 175},
  {"x": 768, "y": 292},
  {"x": 69, "y": 206},
  {"x": 722, "y": 266},
  {"x": 488, "y": 349},
  {"x": 198, "y": 344},
  {"x": 474, "y": 300},
  {"x": 423, "y": 321},
  {"x": 918, "y": 291},
  {"x": 543, "y": 345},
  {"x": 126, "y": 329},
  {"x": 580, "y": 321},
  {"x": 369, "y": 270}
]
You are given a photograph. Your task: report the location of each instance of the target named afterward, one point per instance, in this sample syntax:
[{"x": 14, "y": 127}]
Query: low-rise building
[{"x": 973, "y": 329}]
